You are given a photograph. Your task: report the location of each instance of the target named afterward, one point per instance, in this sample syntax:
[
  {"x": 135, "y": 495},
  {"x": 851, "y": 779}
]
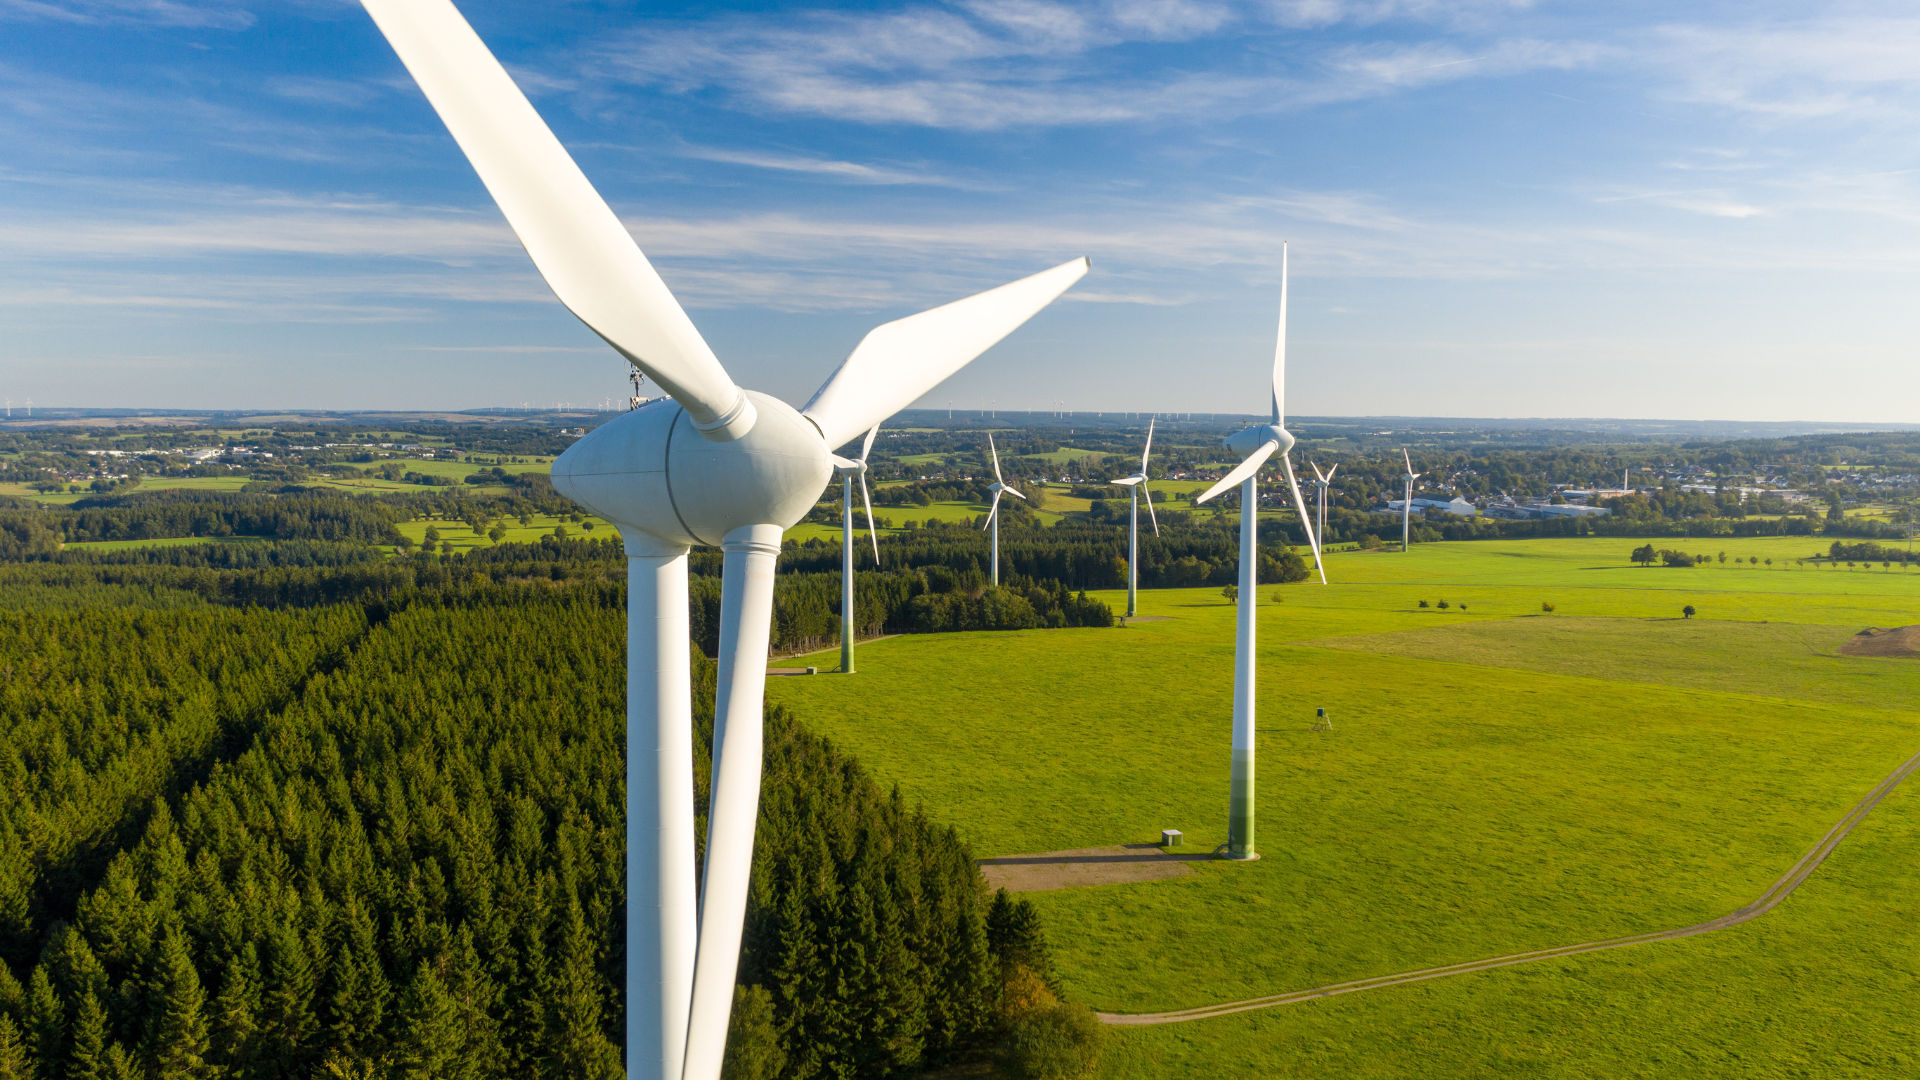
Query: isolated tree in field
[
  {"x": 1723, "y": 558},
  {"x": 433, "y": 535},
  {"x": 1232, "y": 593},
  {"x": 1546, "y": 607},
  {"x": 1645, "y": 555},
  {"x": 496, "y": 534},
  {"x": 1688, "y": 611},
  {"x": 1769, "y": 562}
]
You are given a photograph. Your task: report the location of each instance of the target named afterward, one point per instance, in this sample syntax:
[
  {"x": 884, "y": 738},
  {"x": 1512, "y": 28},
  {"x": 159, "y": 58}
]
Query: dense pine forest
[{"x": 385, "y": 838}]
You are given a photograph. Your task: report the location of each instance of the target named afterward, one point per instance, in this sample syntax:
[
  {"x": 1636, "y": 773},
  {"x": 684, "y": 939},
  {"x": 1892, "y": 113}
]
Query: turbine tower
[
  {"x": 998, "y": 487},
  {"x": 1406, "y": 504},
  {"x": 1321, "y": 481},
  {"x": 1136, "y": 485},
  {"x": 716, "y": 465},
  {"x": 848, "y": 471},
  {"x": 1255, "y": 445}
]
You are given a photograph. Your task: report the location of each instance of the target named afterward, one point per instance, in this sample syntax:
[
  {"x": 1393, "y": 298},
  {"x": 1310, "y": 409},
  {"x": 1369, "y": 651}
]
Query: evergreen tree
[
  {"x": 15, "y": 1062},
  {"x": 476, "y": 998},
  {"x": 360, "y": 993},
  {"x": 579, "y": 1046},
  {"x": 87, "y": 1060},
  {"x": 236, "y": 1015},
  {"x": 46, "y": 1024},
  {"x": 177, "y": 1030},
  {"x": 286, "y": 1014},
  {"x": 428, "y": 1045}
]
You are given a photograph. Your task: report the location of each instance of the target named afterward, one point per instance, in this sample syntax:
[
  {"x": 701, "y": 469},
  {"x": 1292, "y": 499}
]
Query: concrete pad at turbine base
[{"x": 1113, "y": 865}]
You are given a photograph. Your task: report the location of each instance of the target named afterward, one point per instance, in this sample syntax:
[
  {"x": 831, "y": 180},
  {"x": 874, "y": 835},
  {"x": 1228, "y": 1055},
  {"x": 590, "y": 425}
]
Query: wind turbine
[
  {"x": 718, "y": 465},
  {"x": 1322, "y": 481},
  {"x": 1406, "y": 504},
  {"x": 1136, "y": 484},
  {"x": 998, "y": 487},
  {"x": 848, "y": 471},
  {"x": 1255, "y": 445}
]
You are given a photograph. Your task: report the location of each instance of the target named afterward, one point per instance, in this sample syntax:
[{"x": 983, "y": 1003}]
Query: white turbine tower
[
  {"x": 1321, "y": 481},
  {"x": 718, "y": 465},
  {"x": 1137, "y": 485},
  {"x": 848, "y": 472},
  {"x": 1255, "y": 445},
  {"x": 1406, "y": 505},
  {"x": 998, "y": 487}
]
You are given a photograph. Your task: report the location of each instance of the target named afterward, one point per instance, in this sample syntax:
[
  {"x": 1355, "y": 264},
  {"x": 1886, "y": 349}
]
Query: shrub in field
[
  {"x": 1544, "y": 606},
  {"x": 1060, "y": 1043}
]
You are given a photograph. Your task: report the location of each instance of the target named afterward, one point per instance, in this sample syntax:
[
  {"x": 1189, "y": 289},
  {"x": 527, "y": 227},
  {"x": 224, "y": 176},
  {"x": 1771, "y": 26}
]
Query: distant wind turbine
[
  {"x": 1255, "y": 445},
  {"x": 1406, "y": 505},
  {"x": 1136, "y": 485},
  {"x": 848, "y": 471},
  {"x": 998, "y": 487},
  {"x": 1321, "y": 481}
]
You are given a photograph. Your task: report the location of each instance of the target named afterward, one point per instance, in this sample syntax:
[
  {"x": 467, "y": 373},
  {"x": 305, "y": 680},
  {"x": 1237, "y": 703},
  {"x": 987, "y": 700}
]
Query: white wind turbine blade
[
  {"x": 895, "y": 364},
  {"x": 1409, "y": 461},
  {"x": 991, "y": 510},
  {"x": 1241, "y": 471},
  {"x": 1147, "y": 451},
  {"x": 1280, "y": 349},
  {"x": 1317, "y": 474},
  {"x": 1013, "y": 493},
  {"x": 996, "y": 460},
  {"x": 1151, "y": 516},
  {"x": 1306, "y": 523},
  {"x": 576, "y": 242},
  {"x": 1128, "y": 481},
  {"x": 866, "y": 448},
  {"x": 868, "y": 503},
  {"x": 1331, "y": 471}
]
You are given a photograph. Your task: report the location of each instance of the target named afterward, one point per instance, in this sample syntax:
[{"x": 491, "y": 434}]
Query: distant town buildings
[{"x": 1422, "y": 503}]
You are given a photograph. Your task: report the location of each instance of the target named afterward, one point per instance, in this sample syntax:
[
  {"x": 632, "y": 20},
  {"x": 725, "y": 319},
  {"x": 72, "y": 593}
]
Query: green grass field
[{"x": 1498, "y": 779}]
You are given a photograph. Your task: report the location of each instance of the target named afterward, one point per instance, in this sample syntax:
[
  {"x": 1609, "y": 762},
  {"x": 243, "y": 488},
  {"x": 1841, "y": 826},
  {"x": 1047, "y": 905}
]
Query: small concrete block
[{"x": 1170, "y": 838}]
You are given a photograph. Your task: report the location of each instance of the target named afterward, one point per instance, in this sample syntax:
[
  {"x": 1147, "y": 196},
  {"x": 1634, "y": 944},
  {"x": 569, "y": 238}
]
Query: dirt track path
[{"x": 1768, "y": 900}]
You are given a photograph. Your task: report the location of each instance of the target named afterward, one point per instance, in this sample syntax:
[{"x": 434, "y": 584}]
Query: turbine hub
[
  {"x": 651, "y": 471},
  {"x": 1247, "y": 440}
]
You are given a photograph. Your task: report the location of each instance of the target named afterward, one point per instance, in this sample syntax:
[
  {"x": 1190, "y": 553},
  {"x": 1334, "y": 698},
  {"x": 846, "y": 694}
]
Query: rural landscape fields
[
  {"x": 1497, "y": 780},
  {"x": 349, "y": 796}
]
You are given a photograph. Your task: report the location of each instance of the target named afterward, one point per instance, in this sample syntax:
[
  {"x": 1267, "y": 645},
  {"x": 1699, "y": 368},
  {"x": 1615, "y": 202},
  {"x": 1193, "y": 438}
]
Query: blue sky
[{"x": 1496, "y": 209}]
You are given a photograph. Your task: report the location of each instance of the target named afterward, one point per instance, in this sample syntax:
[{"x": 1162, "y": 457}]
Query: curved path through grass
[{"x": 1779, "y": 891}]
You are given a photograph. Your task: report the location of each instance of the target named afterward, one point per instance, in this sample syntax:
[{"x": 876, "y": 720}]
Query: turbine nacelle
[
  {"x": 1248, "y": 441},
  {"x": 650, "y": 470}
]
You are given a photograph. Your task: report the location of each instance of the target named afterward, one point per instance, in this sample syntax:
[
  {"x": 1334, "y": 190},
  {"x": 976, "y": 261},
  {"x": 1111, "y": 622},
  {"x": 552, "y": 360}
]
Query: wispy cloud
[
  {"x": 827, "y": 168},
  {"x": 1824, "y": 66},
  {"x": 1008, "y": 63},
  {"x": 214, "y": 16}
]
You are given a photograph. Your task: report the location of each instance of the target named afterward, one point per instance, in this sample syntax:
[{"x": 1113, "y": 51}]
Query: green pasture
[
  {"x": 463, "y": 538},
  {"x": 1067, "y": 454},
  {"x": 1498, "y": 779}
]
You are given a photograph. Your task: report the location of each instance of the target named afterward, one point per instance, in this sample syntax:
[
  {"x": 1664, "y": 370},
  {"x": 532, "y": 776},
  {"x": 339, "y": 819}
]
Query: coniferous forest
[{"x": 299, "y": 813}]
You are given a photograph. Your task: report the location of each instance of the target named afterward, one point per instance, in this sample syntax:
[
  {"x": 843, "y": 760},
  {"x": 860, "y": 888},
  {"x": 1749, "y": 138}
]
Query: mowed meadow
[{"x": 1499, "y": 778}]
